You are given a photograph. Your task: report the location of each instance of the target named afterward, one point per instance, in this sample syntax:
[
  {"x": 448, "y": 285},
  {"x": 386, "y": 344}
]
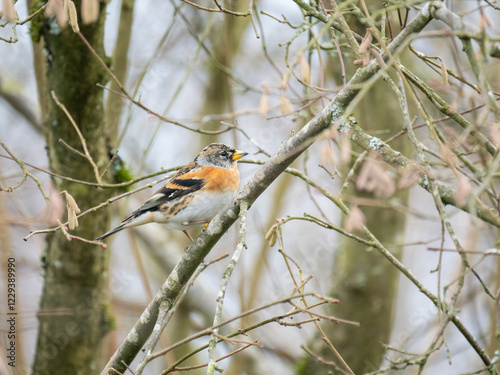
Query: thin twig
[
  {"x": 255, "y": 342},
  {"x": 219, "y": 10},
  {"x": 137, "y": 102},
  {"x": 102, "y": 185},
  {"x": 98, "y": 207},
  {"x": 26, "y": 174},
  {"x": 165, "y": 316},
  {"x": 223, "y": 286},
  {"x": 241, "y": 331},
  {"x": 80, "y": 135}
]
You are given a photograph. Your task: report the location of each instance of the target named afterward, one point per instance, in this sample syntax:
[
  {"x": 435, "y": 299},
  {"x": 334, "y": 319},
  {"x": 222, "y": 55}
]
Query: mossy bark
[{"x": 73, "y": 310}]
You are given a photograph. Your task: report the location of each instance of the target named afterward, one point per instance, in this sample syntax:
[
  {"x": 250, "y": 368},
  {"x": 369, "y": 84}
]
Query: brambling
[{"x": 194, "y": 195}]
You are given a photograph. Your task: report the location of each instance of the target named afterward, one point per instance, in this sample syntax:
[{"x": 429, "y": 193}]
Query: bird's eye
[{"x": 224, "y": 154}]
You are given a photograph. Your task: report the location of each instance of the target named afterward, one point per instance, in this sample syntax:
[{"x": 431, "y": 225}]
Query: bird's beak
[{"x": 238, "y": 155}]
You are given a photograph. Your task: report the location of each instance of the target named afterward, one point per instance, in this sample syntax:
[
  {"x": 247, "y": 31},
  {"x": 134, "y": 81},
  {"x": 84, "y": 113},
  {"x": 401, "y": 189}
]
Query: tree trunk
[
  {"x": 226, "y": 38},
  {"x": 115, "y": 103},
  {"x": 74, "y": 313},
  {"x": 363, "y": 281}
]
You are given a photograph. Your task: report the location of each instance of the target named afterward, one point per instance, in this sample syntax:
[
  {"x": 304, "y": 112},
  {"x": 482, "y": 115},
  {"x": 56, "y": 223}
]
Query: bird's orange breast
[{"x": 221, "y": 179}]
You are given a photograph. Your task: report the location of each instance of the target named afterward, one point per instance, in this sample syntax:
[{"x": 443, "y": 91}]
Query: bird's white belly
[{"x": 200, "y": 210}]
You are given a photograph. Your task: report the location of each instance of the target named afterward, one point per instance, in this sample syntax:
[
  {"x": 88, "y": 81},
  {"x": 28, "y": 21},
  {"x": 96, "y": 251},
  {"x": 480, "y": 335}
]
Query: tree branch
[{"x": 333, "y": 115}]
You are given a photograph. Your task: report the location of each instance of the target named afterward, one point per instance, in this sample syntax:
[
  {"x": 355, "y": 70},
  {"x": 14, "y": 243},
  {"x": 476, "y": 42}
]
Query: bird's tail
[
  {"x": 136, "y": 218},
  {"x": 112, "y": 231}
]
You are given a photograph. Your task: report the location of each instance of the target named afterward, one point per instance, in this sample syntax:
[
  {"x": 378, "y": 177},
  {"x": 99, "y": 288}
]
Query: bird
[{"x": 194, "y": 195}]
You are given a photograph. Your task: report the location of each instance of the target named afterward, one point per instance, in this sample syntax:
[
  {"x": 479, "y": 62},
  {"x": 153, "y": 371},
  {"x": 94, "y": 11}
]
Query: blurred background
[{"x": 266, "y": 75}]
